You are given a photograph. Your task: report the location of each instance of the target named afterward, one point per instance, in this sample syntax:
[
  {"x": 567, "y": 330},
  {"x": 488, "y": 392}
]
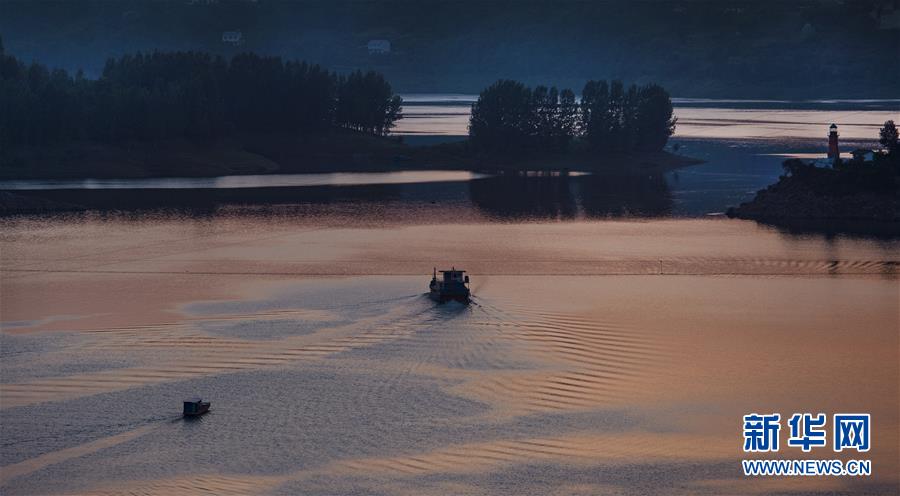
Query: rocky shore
[
  {"x": 780, "y": 202},
  {"x": 864, "y": 193}
]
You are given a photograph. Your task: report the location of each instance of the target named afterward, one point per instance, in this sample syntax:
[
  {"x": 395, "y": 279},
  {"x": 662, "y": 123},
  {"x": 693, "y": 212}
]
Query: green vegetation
[
  {"x": 510, "y": 118},
  {"x": 187, "y": 95}
]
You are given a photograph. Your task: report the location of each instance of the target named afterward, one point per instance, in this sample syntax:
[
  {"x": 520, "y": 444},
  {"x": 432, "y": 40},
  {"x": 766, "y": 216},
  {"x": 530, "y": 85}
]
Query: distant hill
[{"x": 739, "y": 49}]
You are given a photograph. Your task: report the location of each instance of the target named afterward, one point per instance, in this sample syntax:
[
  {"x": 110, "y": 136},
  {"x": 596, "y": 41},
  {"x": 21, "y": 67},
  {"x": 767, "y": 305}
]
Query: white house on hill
[
  {"x": 379, "y": 47},
  {"x": 233, "y": 38}
]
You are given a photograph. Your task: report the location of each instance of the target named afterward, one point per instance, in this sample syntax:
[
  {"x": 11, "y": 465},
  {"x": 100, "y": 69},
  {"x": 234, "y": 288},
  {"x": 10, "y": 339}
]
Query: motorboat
[
  {"x": 195, "y": 406},
  {"x": 451, "y": 285}
]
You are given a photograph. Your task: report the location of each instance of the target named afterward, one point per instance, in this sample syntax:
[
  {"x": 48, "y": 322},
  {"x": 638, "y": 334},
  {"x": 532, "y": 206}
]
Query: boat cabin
[{"x": 455, "y": 276}]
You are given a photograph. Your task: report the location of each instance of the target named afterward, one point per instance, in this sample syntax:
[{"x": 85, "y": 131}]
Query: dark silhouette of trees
[
  {"x": 596, "y": 115},
  {"x": 366, "y": 103},
  {"x": 501, "y": 119},
  {"x": 614, "y": 118},
  {"x": 544, "y": 102},
  {"x": 37, "y": 104},
  {"x": 554, "y": 115},
  {"x": 158, "y": 96},
  {"x": 887, "y": 136},
  {"x": 509, "y": 117},
  {"x": 654, "y": 120},
  {"x": 617, "y": 122},
  {"x": 566, "y": 123},
  {"x": 189, "y": 95}
]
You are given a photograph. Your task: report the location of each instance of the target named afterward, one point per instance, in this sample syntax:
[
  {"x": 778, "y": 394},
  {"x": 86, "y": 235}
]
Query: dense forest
[
  {"x": 510, "y": 117},
  {"x": 187, "y": 95}
]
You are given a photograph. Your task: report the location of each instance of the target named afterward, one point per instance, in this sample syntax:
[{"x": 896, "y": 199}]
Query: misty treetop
[
  {"x": 189, "y": 95},
  {"x": 510, "y": 117}
]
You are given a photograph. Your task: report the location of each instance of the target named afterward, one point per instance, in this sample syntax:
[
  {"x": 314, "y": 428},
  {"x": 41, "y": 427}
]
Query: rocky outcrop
[
  {"x": 866, "y": 192},
  {"x": 774, "y": 203}
]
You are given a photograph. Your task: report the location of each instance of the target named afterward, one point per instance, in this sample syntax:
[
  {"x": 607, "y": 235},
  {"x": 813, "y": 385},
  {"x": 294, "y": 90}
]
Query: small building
[
  {"x": 807, "y": 31},
  {"x": 863, "y": 155},
  {"x": 887, "y": 16},
  {"x": 233, "y": 38},
  {"x": 379, "y": 47}
]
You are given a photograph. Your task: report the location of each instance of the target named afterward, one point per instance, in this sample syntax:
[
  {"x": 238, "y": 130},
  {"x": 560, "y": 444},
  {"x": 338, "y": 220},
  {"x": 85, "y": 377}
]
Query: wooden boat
[
  {"x": 195, "y": 406},
  {"x": 452, "y": 285}
]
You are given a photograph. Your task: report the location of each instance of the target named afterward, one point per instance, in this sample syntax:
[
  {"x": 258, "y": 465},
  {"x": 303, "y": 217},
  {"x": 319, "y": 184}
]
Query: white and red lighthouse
[{"x": 833, "y": 151}]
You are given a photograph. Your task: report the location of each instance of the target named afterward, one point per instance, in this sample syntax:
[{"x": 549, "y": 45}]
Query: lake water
[
  {"x": 448, "y": 114},
  {"x": 617, "y": 335}
]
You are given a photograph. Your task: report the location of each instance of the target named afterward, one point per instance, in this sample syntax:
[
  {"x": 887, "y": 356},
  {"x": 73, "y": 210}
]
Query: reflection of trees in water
[
  {"x": 624, "y": 195},
  {"x": 520, "y": 196},
  {"x": 568, "y": 197},
  {"x": 553, "y": 197},
  {"x": 831, "y": 230}
]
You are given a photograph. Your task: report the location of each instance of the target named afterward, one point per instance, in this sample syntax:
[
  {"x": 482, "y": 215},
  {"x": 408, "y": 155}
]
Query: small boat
[
  {"x": 452, "y": 285},
  {"x": 195, "y": 406}
]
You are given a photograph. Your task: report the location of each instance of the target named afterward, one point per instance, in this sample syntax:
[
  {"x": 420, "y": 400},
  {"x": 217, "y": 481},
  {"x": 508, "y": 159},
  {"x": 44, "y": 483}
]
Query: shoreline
[
  {"x": 336, "y": 151},
  {"x": 851, "y": 197},
  {"x": 340, "y": 151}
]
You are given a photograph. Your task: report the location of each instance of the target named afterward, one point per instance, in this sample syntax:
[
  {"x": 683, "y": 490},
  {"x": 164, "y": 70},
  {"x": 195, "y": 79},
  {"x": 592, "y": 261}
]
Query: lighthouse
[{"x": 833, "y": 152}]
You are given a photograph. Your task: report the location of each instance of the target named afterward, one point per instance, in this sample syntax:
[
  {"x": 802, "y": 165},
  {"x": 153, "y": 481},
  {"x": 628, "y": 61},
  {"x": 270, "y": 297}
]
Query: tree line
[
  {"x": 188, "y": 95},
  {"x": 509, "y": 117}
]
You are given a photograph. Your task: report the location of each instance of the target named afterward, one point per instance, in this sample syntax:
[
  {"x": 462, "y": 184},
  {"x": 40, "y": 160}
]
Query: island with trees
[
  {"x": 857, "y": 195},
  {"x": 612, "y": 128},
  {"x": 191, "y": 114}
]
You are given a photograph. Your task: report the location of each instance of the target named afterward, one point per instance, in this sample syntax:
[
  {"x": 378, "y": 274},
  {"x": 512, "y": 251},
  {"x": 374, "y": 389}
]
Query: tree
[
  {"x": 595, "y": 114},
  {"x": 616, "y": 119},
  {"x": 655, "y": 123},
  {"x": 393, "y": 111},
  {"x": 566, "y": 119},
  {"x": 630, "y": 131},
  {"x": 501, "y": 118},
  {"x": 888, "y": 137},
  {"x": 366, "y": 103},
  {"x": 542, "y": 111}
]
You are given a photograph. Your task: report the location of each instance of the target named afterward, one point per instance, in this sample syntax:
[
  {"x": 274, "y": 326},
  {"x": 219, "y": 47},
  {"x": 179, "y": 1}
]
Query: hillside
[{"x": 737, "y": 49}]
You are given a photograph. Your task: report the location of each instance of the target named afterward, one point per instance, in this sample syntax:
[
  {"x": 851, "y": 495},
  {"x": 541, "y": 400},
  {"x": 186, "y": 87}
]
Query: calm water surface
[
  {"x": 448, "y": 114},
  {"x": 616, "y": 337}
]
